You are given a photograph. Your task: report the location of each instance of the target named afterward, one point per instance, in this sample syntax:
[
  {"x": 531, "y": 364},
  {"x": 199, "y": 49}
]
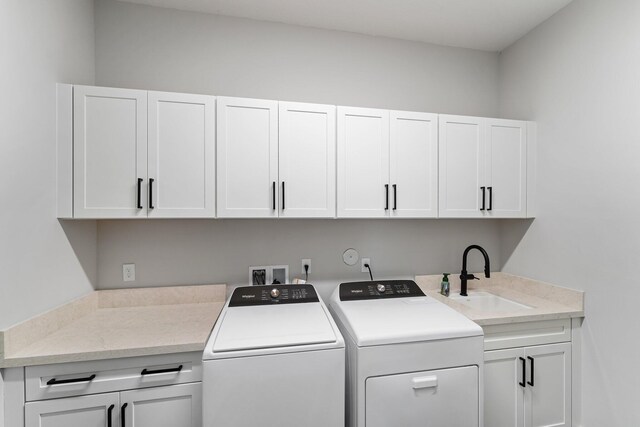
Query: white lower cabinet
[
  {"x": 528, "y": 386},
  {"x": 549, "y": 396},
  {"x": 151, "y": 391},
  {"x": 98, "y": 410},
  {"x": 176, "y": 405},
  {"x": 504, "y": 397}
]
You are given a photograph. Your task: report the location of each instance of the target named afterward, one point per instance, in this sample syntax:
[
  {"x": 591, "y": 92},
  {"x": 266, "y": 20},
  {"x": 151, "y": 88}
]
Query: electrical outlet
[
  {"x": 306, "y": 261},
  {"x": 366, "y": 261},
  {"x": 128, "y": 272}
]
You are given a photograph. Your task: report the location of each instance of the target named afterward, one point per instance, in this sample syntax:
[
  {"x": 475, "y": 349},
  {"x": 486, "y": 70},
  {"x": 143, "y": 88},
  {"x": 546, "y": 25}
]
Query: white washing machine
[
  {"x": 275, "y": 358},
  {"x": 411, "y": 360}
]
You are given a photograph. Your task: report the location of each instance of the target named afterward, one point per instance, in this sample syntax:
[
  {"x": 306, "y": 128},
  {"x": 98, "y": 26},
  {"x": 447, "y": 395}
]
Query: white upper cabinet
[
  {"x": 483, "y": 168},
  {"x": 307, "y": 167},
  {"x": 247, "y": 158},
  {"x": 110, "y": 153},
  {"x": 181, "y": 155},
  {"x": 506, "y": 176},
  {"x": 136, "y": 154},
  {"x": 363, "y": 163},
  {"x": 462, "y": 163},
  {"x": 387, "y": 164},
  {"x": 413, "y": 165},
  {"x": 125, "y": 153}
]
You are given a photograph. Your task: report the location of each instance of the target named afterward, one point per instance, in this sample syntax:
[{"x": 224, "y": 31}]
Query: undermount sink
[{"x": 485, "y": 301}]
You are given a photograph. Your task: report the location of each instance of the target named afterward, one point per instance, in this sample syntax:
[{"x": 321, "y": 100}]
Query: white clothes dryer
[{"x": 412, "y": 361}]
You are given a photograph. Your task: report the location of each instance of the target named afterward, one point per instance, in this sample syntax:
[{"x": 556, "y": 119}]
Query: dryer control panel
[
  {"x": 272, "y": 294},
  {"x": 379, "y": 289}
]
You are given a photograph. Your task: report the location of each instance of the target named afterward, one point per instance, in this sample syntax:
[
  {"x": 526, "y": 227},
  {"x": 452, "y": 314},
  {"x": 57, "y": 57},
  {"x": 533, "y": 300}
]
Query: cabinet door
[
  {"x": 176, "y": 405},
  {"x": 307, "y": 167},
  {"x": 503, "y": 395},
  {"x": 363, "y": 163},
  {"x": 247, "y": 158},
  {"x": 83, "y": 411},
  {"x": 549, "y": 398},
  {"x": 446, "y": 398},
  {"x": 413, "y": 165},
  {"x": 110, "y": 152},
  {"x": 506, "y": 162},
  {"x": 181, "y": 155},
  {"x": 462, "y": 167}
]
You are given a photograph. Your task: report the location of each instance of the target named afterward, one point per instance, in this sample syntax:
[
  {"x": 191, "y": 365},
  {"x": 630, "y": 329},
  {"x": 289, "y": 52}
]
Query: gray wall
[
  {"x": 577, "y": 75},
  {"x": 44, "y": 263},
  {"x": 170, "y": 252},
  {"x": 163, "y": 49}
]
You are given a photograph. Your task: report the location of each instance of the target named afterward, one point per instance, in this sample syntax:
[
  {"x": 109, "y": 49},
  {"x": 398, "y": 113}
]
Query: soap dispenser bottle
[{"x": 444, "y": 285}]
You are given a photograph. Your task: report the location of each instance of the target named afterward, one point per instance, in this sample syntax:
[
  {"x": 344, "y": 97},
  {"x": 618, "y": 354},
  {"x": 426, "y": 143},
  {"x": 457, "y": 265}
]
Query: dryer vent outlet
[
  {"x": 269, "y": 274},
  {"x": 259, "y": 276}
]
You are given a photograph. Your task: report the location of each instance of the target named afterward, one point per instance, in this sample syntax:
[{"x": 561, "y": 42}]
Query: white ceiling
[{"x": 490, "y": 25}]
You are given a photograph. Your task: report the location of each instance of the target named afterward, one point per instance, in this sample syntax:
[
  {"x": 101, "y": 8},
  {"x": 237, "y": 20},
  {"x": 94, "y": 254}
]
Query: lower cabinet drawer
[
  {"x": 497, "y": 337},
  {"x": 74, "y": 379}
]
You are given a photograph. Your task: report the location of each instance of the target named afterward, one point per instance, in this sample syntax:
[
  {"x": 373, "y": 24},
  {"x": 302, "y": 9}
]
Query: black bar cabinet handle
[
  {"x": 110, "y": 415},
  {"x": 483, "y": 197},
  {"x": 386, "y": 189},
  {"x": 282, "y": 195},
  {"x": 490, "y": 198},
  {"x": 273, "y": 190},
  {"x": 140, "y": 193},
  {"x": 122, "y": 415},
  {"x": 395, "y": 197},
  {"x": 523, "y": 383},
  {"x": 533, "y": 362},
  {"x": 54, "y": 381},
  {"x": 151, "y": 193},
  {"x": 161, "y": 371}
]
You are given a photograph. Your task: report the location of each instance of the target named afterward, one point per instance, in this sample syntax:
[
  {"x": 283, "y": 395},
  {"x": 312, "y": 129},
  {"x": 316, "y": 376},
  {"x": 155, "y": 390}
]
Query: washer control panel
[
  {"x": 379, "y": 289},
  {"x": 272, "y": 294}
]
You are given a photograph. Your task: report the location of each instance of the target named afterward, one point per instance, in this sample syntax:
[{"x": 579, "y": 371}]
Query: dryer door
[{"x": 442, "y": 398}]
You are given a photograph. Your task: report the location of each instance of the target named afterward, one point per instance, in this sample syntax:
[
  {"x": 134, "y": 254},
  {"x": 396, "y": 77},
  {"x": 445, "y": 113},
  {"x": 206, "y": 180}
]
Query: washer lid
[
  {"x": 269, "y": 326},
  {"x": 402, "y": 320}
]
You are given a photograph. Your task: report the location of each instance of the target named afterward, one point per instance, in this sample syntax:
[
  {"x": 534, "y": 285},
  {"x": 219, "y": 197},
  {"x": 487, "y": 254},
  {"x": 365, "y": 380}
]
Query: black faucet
[{"x": 463, "y": 274}]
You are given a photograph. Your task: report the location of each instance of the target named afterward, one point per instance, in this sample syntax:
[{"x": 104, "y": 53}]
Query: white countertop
[
  {"x": 116, "y": 323},
  {"x": 546, "y": 301}
]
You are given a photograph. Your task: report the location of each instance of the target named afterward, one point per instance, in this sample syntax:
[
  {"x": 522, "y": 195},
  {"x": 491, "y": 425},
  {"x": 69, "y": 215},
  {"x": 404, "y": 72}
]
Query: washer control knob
[
  {"x": 275, "y": 293},
  {"x": 381, "y": 288}
]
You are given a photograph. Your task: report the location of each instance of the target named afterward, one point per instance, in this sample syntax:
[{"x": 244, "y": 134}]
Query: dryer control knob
[
  {"x": 275, "y": 293},
  {"x": 381, "y": 288}
]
